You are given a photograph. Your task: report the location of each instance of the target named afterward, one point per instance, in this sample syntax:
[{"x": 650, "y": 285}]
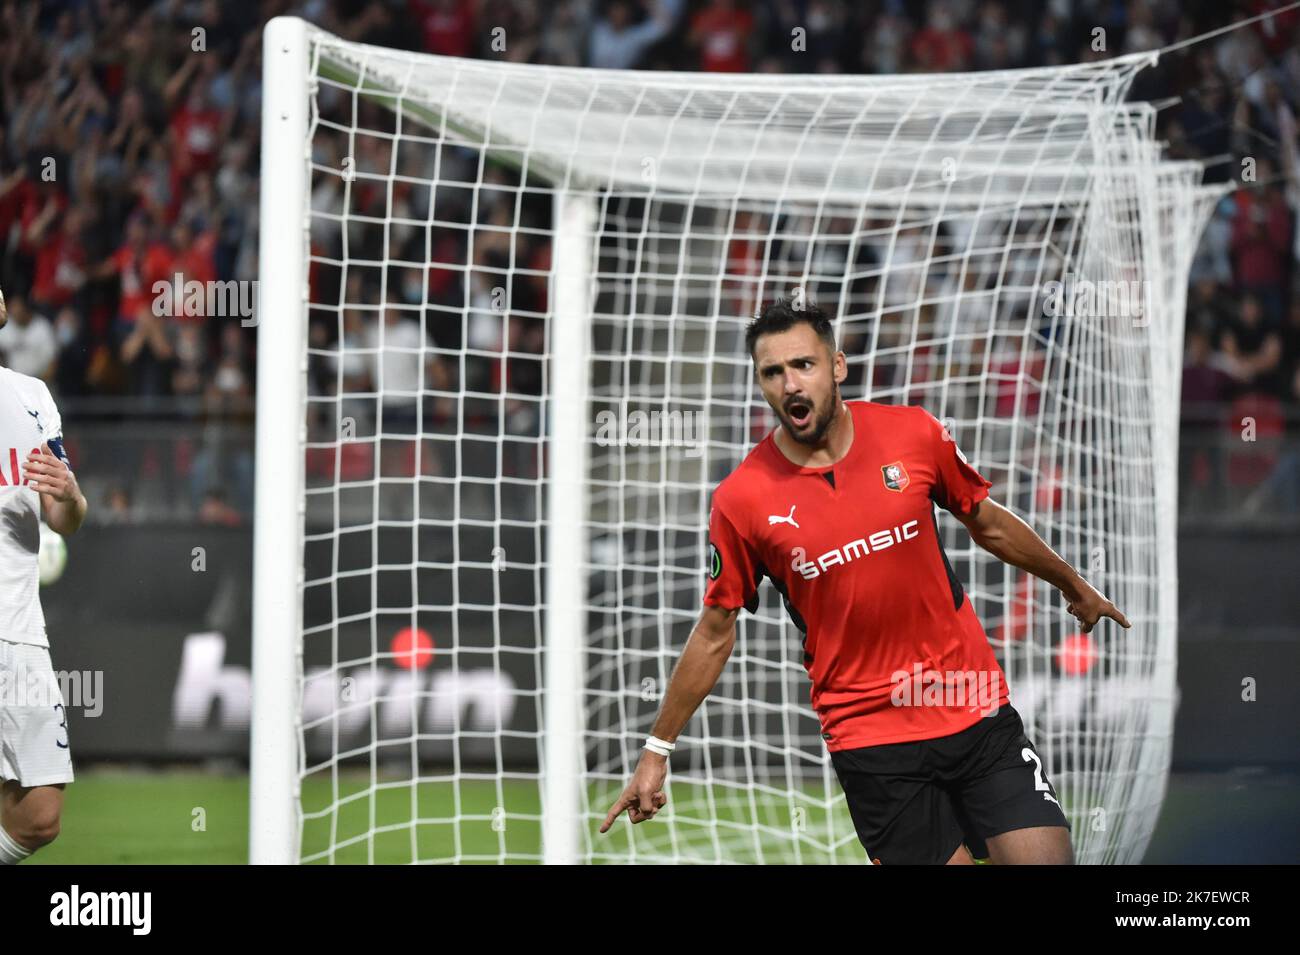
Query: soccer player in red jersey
[{"x": 836, "y": 508}]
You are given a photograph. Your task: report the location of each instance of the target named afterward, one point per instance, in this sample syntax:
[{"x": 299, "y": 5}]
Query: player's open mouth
[{"x": 800, "y": 413}]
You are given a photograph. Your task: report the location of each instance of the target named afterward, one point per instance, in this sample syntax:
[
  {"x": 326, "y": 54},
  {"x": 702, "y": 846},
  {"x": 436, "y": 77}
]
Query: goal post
[
  {"x": 281, "y": 363},
  {"x": 501, "y": 339},
  {"x": 564, "y": 646}
]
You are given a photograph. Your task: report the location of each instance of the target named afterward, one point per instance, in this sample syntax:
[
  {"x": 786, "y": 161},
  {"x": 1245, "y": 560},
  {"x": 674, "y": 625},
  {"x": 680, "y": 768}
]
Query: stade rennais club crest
[{"x": 895, "y": 476}]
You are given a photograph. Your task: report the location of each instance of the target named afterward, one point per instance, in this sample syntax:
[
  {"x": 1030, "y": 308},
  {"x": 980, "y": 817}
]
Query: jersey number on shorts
[
  {"x": 1040, "y": 783},
  {"x": 63, "y": 725}
]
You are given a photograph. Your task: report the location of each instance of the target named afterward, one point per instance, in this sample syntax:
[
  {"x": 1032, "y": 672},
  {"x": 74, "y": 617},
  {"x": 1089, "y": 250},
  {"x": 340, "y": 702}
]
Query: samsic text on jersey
[{"x": 855, "y": 552}]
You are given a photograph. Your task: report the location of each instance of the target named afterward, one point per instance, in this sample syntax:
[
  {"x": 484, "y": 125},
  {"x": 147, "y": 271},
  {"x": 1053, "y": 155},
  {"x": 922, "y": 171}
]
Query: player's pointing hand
[
  {"x": 1092, "y": 606},
  {"x": 644, "y": 795}
]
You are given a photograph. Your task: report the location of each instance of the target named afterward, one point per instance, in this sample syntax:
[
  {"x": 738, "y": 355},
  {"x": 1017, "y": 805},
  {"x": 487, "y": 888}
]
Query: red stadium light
[
  {"x": 1076, "y": 655},
  {"x": 412, "y": 648}
]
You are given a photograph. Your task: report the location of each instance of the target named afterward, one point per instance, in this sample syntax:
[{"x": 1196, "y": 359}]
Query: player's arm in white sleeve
[{"x": 50, "y": 473}]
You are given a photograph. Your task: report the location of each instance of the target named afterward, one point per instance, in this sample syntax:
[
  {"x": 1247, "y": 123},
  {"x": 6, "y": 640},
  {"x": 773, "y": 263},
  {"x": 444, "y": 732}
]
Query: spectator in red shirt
[
  {"x": 195, "y": 259},
  {"x": 1276, "y": 29},
  {"x": 722, "y": 32},
  {"x": 14, "y": 187},
  {"x": 942, "y": 47},
  {"x": 60, "y": 265},
  {"x": 138, "y": 264},
  {"x": 197, "y": 128},
  {"x": 447, "y": 25},
  {"x": 194, "y": 252},
  {"x": 41, "y": 206},
  {"x": 745, "y": 254},
  {"x": 1261, "y": 234},
  {"x": 196, "y": 133}
]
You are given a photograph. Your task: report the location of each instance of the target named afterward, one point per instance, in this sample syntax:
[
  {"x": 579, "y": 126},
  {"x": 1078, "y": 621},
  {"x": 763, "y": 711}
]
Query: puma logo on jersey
[
  {"x": 37, "y": 416},
  {"x": 778, "y": 519},
  {"x": 812, "y": 569}
]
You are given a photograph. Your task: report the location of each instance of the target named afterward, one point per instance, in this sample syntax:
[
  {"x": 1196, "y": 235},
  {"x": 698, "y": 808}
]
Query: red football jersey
[{"x": 894, "y": 649}]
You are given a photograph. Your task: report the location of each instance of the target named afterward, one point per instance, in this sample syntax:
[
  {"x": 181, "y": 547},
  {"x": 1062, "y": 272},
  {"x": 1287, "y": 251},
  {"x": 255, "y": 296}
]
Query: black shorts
[{"x": 916, "y": 803}]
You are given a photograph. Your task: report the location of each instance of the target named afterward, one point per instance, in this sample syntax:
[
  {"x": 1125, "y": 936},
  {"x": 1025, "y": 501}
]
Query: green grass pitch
[{"x": 191, "y": 816}]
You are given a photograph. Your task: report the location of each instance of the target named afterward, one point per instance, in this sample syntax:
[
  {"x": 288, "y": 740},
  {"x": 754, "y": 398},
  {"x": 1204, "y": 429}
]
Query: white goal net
[{"x": 501, "y": 368}]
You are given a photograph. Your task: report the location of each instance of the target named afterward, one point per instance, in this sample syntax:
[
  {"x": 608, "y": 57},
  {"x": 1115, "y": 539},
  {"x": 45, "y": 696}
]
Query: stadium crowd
[{"x": 129, "y": 150}]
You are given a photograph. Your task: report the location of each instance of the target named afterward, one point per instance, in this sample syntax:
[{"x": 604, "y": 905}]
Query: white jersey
[{"x": 28, "y": 418}]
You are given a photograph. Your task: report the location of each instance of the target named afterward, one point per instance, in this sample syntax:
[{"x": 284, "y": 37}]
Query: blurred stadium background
[{"x": 156, "y": 150}]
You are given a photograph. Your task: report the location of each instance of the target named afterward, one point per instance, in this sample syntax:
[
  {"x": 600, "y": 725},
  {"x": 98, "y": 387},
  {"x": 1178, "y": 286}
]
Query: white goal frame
[{"x": 276, "y": 760}]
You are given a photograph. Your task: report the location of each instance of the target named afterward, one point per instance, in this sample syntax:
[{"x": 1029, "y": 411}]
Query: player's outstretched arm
[
  {"x": 1008, "y": 538},
  {"x": 695, "y": 674}
]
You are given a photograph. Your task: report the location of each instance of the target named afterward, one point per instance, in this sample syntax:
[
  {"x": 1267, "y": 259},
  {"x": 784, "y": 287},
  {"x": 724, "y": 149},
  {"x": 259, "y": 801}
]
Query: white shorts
[{"x": 33, "y": 720}]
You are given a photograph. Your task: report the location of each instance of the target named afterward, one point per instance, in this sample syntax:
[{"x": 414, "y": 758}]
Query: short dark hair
[{"x": 781, "y": 316}]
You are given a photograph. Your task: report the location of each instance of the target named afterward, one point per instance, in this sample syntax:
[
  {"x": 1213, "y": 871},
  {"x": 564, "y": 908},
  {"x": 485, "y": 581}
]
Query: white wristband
[{"x": 660, "y": 746}]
